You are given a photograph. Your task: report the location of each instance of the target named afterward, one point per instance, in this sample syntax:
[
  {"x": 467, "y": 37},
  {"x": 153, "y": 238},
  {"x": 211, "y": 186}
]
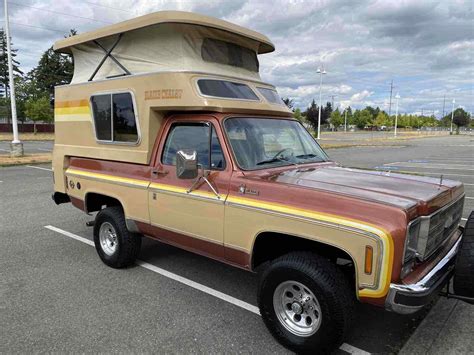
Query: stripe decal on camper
[
  {"x": 293, "y": 212},
  {"x": 63, "y": 110}
]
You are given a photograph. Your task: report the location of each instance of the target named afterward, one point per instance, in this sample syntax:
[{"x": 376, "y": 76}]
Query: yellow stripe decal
[
  {"x": 106, "y": 177},
  {"x": 384, "y": 236},
  {"x": 77, "y": 110}
]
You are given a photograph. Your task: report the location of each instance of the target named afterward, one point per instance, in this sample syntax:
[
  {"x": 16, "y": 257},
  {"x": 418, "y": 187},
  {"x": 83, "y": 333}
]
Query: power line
[
  {"x": 59, "y": 13},
  {"x": 107, "y": 7},
  {"x": 40, "y": 27}
]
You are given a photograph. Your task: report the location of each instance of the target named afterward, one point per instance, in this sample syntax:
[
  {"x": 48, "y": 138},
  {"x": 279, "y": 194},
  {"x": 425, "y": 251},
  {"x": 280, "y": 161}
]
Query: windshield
[{"x": 260, "y": 143}]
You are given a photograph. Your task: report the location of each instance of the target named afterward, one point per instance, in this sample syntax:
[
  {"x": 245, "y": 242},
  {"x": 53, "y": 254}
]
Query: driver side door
[{"x": 193, "y": 220}]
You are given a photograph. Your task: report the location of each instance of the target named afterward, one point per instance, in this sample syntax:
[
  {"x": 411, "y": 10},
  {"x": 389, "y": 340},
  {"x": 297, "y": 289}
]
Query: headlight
[{"x": 411, "y": 244}]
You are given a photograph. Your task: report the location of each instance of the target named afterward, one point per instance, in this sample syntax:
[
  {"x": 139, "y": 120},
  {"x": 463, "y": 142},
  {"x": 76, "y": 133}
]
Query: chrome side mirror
[{"x": 186, "y": 164}]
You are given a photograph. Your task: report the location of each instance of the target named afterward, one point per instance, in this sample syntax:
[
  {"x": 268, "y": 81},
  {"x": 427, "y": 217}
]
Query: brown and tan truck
[{"x": 167, "y": 131}]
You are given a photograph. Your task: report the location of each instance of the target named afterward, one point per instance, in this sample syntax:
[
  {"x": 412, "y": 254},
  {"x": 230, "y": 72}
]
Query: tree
[
  {"x": 299, "y": 115},
  {"x": 312, "y": 114},
  {"x": 53, "y": 69},
  {"x": 461, "y": 118},
  {"x": 39, "y": 110},
  {"x": 336, "y": 119},
  {"x": 4, "y": 75},
  {"x": 382, "y": 119},
  {"x": 362, "y": 118},
  {"x": 289, "y": 103},
  {"x": 326, "y": 113}
]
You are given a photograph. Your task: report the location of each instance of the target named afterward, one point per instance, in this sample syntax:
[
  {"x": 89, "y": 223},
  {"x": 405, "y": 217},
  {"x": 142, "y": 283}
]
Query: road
[
  {"x": 30, "y": 147},
  {"x": 57, "y": 296}
]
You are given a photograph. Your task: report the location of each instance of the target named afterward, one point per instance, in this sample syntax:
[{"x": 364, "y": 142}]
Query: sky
[{"x": 425, "y": 47}]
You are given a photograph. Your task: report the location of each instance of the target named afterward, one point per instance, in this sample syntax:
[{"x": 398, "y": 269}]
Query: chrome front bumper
[{"x": 406, "y": 299}]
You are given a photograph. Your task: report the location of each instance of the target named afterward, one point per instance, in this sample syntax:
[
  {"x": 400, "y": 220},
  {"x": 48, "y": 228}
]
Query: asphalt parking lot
[
  {"x": 57, "y": 296},
  {"x": 30, "y": 147}
]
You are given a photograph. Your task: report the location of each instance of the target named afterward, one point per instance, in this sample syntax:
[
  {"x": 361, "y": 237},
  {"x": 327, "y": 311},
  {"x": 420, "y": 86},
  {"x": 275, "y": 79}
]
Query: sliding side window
[{"x": 114, "y": 118}]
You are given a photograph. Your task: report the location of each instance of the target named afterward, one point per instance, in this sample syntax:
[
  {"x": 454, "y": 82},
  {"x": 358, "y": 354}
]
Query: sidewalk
[{"x": 447, "y": 329}]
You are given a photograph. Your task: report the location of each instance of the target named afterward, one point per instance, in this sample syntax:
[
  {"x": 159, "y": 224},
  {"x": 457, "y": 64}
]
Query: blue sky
[{"x": 425, "y": 47}]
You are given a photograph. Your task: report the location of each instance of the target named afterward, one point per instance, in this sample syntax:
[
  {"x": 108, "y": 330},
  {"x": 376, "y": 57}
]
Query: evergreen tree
[
  {"x": 53, "y": 69},
  {"x": 4, "y": 76},
  {"x": 312, "y": 114}
]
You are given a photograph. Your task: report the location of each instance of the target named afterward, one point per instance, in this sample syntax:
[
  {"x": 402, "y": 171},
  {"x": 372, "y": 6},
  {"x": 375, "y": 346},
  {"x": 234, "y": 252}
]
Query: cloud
[{"x": 425, "y": 47}]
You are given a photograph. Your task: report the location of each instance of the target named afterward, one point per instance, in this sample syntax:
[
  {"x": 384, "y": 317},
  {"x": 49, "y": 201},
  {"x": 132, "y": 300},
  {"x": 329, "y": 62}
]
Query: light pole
[
  {"x": 345, "y": 120},
  {"x": 16, "y": 147},
  {"x": 396, "y": 115},
  {"x": 320, "y": 72},
  {"x": 452, "y": 117}
]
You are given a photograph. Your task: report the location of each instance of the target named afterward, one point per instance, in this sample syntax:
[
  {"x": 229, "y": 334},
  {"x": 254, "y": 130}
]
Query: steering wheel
[{"x": 280, "y": 152}]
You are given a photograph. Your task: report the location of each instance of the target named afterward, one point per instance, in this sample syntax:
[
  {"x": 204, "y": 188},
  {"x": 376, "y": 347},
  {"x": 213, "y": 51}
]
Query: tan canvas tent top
[{"x": 163, "y": 42}]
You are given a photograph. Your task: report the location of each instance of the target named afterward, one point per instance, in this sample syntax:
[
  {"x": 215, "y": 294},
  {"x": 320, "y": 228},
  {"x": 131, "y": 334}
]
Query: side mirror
[{"x": 186, "y": 164}]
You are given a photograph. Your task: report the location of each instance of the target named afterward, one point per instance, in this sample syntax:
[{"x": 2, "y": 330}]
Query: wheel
[
  {"x": 464, "y": 272},
  {"x": 305, "y": 302},
  {"x": 116, "y": 246}
]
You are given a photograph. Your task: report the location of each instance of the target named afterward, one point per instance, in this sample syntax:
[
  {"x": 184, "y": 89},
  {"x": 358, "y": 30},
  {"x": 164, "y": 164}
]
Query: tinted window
[
  {"x": 226, "y": 89},
  {"x": 221, "y": 52},
  {"x": 102, "y": 117},
  {"x": 118, "y": 124},
  {"x": 125, "y": 125},
  {"x": 271, "y": 95},
  {"x": 193, "y": 136}
]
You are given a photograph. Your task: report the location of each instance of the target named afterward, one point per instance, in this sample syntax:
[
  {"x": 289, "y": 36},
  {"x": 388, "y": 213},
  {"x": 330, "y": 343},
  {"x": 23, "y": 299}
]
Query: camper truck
[{"x": 167, "y": 131}]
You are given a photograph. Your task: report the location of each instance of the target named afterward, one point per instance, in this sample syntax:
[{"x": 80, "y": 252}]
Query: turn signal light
[{"x": 369, "y": 256}]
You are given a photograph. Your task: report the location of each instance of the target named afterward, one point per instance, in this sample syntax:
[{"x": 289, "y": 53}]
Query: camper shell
[
  {"x": 167, "y": 131},
  {"x": 167, "y": 62}
]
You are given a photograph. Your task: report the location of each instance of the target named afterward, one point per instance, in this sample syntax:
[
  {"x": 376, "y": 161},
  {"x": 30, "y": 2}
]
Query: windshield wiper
[
  {"x": 309, "y": 156},
  {"x": 274, "y": 160}
]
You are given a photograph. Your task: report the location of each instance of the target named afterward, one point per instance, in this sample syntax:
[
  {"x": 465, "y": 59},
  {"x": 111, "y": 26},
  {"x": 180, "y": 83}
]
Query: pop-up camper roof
[{"x": 169, "y": 41}]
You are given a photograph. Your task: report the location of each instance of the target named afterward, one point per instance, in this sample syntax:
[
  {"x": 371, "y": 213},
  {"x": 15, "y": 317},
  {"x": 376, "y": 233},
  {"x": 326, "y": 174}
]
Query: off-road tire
[
  {"x": 464, "y": 272},
  {"x": 327, "y": 283},
  {"x": 128, "y": 243}
]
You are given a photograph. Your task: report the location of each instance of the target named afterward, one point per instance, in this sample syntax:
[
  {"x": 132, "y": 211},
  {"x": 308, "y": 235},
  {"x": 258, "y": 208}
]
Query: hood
[{"x": 426, "y": 194}]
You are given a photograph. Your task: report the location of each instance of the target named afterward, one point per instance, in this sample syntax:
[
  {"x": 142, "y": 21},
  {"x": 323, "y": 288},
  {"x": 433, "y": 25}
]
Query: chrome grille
[{"x": 436, "y": 228}]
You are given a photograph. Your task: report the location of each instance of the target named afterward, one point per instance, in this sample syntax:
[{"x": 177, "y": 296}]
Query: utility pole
[
  {"x": 321, "y": 72},
  {"x": 396, "y": 115},
  {"x": 345, "y": 120},
  {"x": 452, "y": 118},
  {"x": 16, "y": 147},
  {"x": 390, "y": 103},
  {"x": 444, "y": 104}
]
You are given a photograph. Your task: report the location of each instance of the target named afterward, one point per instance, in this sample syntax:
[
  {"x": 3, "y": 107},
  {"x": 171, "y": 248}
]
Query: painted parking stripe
[
  {"x": 429, "y": 166},
  {"x": 469, "y": 198},
  {"x": 39, "y": 167},
  {"x": 46, "y": 150},
  {"x": 235, "y": 301},
  {"x": 463, "y": 219}
]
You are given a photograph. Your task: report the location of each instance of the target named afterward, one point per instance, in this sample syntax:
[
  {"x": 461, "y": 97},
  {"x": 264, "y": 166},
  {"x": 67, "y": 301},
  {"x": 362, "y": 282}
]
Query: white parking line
[
  {"x": 46, "y": 150},
  {"x": 430, "y": 166},
  {"x": 463, "y": 219},
  {"x": 5, "y": 150},
  {"x": 39, "y": 167},
  {"x": 235, "y": 301},
  {"x": 469, "y": 198}
]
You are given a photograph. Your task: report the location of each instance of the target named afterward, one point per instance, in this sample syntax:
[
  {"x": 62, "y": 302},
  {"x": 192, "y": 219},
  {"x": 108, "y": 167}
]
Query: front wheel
[
  {"x": 305, "y": 302},
  {"x": 116, "y": 246}
]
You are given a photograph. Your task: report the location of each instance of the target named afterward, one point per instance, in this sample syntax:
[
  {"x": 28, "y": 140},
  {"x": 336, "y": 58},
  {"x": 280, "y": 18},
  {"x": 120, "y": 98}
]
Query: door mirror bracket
[{"x": 187, "y": 167}]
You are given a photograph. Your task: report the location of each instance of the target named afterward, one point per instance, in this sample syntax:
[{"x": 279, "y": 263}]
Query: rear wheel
[
  {"x": 306, "y": 302},
  {"x": 116, "y": 246},
  {"x": 464, "y": 272}
]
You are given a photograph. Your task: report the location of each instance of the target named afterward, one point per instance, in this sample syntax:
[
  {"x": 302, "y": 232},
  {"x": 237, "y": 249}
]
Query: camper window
[
  {"x": 114, "y": 118},
  {"x": 270, "y": 95},
  {"x": 221, "y": 52},
  {"x": 226, "y": 89}
]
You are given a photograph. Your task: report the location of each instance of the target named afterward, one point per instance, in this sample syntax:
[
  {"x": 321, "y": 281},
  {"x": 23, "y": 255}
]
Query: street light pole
[
  {"x": 16, "y": 147},
  {"x": 321, "y": 72},
  {"x": 345, "y": 120},
  {"x": 452, "y": 117},
  {"x": 396, "y": 115}
]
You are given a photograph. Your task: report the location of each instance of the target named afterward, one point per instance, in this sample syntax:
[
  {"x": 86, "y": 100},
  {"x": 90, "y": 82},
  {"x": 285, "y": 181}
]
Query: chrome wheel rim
[
  {"x": 297, "y": 308},
  {"x": 108, "y": 238}
]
